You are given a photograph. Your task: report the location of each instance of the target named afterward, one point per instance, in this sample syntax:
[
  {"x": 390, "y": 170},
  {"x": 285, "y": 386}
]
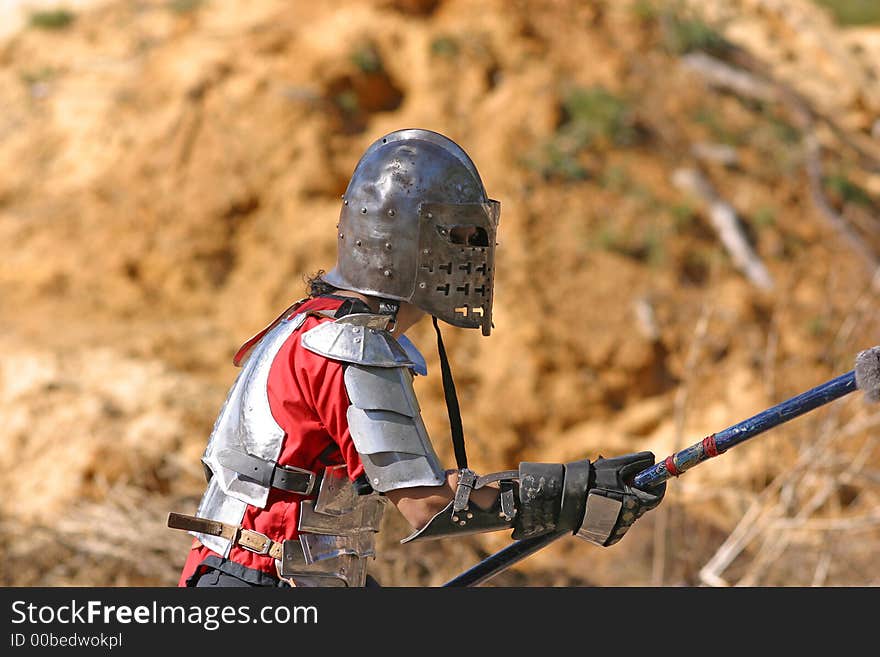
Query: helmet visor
[{"x": 456, "y": 262}]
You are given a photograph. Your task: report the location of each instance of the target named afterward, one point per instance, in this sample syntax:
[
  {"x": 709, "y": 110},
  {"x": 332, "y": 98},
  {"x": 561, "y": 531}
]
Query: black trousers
[
  {"x": 214, "y": 571},
  {"x": 219, "y": 578}
]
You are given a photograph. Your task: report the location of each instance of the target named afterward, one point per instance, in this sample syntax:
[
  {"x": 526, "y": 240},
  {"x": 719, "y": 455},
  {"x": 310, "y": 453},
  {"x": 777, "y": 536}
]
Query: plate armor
[
  {"x": 336, "y": 535},
  {"x": 245, "y": 426},
  {"x": 337, "y": 528},
  {"x": 384, "y": 418}
]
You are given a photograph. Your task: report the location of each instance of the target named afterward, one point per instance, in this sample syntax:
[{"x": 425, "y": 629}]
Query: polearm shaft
[
  {"x": 503, "y": 559},
  {"x": 720, "y": 442},
  {"x": 674, "y": 465}
]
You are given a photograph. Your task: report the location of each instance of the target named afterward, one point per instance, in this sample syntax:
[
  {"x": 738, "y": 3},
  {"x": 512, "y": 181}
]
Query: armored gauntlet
[
  {"x": 612, "y": 504},
  {"x": 591, "y": 500}
]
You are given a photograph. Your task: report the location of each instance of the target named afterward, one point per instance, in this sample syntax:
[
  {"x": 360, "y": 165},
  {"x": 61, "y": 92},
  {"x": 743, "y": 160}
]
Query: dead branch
[
  {"x": 646, "y": 319},
  {"x": 760, "y": 513},
  {"x": 743, "y": 83},
  {"x": 822, "y": 568},
  {"x": 723, "y": 76},
  {"x": 813, "y": 154},
  {"x": 864, "y": 522},
  {"x": 716, "y": 153},
  {"x": 726, "y": 224}
]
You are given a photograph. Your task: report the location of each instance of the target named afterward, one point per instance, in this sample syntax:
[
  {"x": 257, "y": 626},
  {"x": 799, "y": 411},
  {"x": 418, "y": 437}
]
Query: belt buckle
[
  {"x": 312, "y": 477},
  {"x": 251, "y": 534}
]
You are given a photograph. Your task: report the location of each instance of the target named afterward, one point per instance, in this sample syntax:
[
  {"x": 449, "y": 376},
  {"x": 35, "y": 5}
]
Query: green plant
[
  {"x": 366, "y": 58},
  {"x": 783, "y": 130},
  {"x": 615, "y": 178},
  {"x": 608, "y": 239},
  {"x": 444, "y": 46},
  {"x": 718, "y": 129},
  {"x": 817, "y": 326},
  {"x": 764, "y": 217},
  {"x": 847, "y": 191},
  {"x": 347, "y": 101},
  {"x": 596, "y": 115},
  {"x": 36, "y": 76},
  {"x": 683, "y": 216},
  {"x": 183, "y": 6},
  {"x": 52, "y": 19},
  {"x": 590, "y": 118},
  {"x": 557, "y": 162},
  {"x": 645, "y": 241},
  {"x": 685, "y": 31},
  {"x": 645, "y": 10},
  {"x": 654, "y": 247},
  {"x": 852, "y": 12}
]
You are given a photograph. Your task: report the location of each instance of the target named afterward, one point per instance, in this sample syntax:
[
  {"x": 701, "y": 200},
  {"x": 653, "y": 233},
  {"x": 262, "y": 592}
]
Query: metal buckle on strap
[
  {"x": 310, "y": 486},
  {"x": 254, "y": 541},
  {"x": 466, "y": 480}
]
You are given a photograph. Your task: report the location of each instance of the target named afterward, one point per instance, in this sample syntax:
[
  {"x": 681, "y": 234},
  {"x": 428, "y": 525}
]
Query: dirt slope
[{"x": 171, "y": 171}]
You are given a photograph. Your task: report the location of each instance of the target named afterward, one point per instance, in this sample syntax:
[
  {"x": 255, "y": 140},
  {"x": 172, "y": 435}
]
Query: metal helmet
[{"x": 416, "y": 225}]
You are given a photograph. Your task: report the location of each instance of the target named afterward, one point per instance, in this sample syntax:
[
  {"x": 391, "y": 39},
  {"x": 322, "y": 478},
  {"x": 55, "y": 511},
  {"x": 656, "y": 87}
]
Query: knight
[{"x": 321, "y": 429}]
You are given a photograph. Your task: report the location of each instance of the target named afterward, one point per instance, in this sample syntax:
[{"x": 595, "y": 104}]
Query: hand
[{"x": 612, "y": 504}]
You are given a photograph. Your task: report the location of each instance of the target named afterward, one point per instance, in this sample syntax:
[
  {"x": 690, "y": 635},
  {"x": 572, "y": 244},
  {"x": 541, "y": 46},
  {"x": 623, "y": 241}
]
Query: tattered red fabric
[{"x": 245, "y": 349}]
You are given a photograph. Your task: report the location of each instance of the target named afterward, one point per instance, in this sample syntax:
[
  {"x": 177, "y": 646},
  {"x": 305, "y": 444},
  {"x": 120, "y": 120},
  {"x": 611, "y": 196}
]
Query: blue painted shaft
[
  {"x": 683, "y": 460},
  {"x": 742, "y": 431},
  {"x": 503, "y": 559}
]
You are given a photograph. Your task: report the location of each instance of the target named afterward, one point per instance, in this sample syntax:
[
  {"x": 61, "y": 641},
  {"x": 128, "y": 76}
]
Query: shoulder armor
[
  {"x": 362, "y": 339},
  {"x": 387, "y": 429}
]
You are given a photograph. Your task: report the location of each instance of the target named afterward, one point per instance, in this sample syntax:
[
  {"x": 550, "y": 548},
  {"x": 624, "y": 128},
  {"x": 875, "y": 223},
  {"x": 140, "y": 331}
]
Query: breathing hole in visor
[
  {"x": 465, "y": 310},
  {"x": 469, "y": 235}
]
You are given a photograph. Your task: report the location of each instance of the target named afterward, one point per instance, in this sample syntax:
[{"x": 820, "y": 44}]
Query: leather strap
[
  {"x": 246, "y": 538},
  {"x": 269, "y": 473},
  {"x": 452, "y": 407}
]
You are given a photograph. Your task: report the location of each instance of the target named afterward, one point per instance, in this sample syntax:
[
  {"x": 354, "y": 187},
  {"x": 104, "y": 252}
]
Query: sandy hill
[{"x": 172, "y": 170}]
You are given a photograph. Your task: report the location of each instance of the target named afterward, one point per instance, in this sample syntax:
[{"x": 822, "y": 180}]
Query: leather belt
[
  {"x": 248, "y": 539},
  {"x": 269, "y": 473}
]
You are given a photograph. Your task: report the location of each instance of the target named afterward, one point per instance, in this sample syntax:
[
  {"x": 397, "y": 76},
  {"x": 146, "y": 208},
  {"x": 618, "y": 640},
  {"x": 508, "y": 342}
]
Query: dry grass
[
  {"x": 120, "y": 541},
  {"x": 804, "y": 513}
]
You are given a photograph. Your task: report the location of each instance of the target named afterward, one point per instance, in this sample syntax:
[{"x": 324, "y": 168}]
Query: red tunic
[{"x": 308, "y": 400}]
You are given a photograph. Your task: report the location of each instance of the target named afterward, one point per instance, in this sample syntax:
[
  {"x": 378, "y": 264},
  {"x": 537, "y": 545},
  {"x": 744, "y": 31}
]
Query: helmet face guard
[
  {"x": 416, "y": 225},
  {"x": 456, "y": 262}
]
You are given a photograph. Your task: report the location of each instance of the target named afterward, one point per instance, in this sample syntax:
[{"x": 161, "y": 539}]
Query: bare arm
[{"x": 419, "y": 504}]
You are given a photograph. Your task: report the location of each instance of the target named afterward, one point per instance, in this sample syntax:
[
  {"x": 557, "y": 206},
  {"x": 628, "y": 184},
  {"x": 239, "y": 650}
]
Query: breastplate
[{"x": 245, "y": 423}]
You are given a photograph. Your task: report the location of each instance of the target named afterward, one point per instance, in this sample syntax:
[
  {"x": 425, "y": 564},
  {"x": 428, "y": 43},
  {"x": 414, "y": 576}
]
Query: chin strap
[{"x": 467, "y": 478}]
